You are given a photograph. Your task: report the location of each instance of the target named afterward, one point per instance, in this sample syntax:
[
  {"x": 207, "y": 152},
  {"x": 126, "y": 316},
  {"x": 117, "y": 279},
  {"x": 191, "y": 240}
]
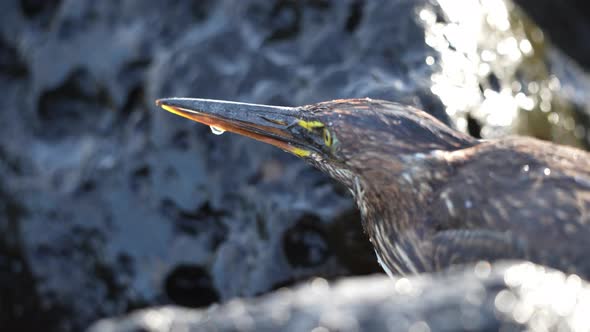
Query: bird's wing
[{"x": 529, "y": 190}]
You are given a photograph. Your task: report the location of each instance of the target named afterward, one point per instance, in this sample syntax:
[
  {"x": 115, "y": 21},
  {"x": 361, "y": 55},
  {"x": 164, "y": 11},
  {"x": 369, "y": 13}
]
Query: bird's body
[
  {"x": 515, "y": 198},
  {"x": 430, "y": 196}
]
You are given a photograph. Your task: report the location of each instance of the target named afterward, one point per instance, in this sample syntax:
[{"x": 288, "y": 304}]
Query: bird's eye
[{"x": 327, "y": 137}]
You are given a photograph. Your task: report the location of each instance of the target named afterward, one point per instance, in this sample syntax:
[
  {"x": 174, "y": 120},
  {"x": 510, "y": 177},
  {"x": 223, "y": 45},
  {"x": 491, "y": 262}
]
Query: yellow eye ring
[{"x": 327, "y": 137}]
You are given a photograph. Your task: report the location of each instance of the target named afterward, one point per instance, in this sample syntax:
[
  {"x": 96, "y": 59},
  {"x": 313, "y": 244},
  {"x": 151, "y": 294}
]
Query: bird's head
[{"x": 344, "y": 138}]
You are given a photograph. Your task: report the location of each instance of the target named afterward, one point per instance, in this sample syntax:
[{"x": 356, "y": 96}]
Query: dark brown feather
[{"x": 431, "y": 196}]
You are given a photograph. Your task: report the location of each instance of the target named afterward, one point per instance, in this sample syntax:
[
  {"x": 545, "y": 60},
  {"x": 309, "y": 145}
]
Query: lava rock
[
  {"x": 190, "y": 286},
  {"x": 481, "y": 297},
  {"x": 304, "y": 244},
  {"x": 122, "y": 205}
]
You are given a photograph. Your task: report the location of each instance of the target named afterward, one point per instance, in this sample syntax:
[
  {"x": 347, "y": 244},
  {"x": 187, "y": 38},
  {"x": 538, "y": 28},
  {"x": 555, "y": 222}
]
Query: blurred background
[{"x": 108, "y": 204}]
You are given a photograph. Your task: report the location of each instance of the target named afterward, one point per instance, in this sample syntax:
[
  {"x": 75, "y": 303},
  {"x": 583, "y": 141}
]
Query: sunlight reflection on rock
[
  {"x": 494, "y": 70},
  {"x": 538, "y": 290}
]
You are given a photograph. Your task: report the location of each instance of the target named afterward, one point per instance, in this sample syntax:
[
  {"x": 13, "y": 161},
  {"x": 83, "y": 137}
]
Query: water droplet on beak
[{"x": 217, "y": 130}]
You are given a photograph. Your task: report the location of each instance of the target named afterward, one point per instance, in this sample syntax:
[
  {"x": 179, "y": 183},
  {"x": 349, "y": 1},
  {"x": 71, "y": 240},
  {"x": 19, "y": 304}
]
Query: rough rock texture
[
  {"x": 505, "y": 297},
  {"x": 108, "y": 204}
]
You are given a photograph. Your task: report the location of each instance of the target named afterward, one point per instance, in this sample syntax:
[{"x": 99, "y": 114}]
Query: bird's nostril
[{"x": 275, "y": 121}]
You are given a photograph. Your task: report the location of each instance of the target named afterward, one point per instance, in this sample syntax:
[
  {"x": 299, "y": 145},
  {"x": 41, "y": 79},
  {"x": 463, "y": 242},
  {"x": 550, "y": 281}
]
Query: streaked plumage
[{"x": 429, "y": 195}]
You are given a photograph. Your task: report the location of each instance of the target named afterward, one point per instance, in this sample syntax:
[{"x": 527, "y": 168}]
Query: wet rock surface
[
  {"x": 110, "y": 205},
  {"x": 503, "y": 297}
]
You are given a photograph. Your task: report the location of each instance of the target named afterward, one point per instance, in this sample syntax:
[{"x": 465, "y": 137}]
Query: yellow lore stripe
[{"x": 310, "y": 125}]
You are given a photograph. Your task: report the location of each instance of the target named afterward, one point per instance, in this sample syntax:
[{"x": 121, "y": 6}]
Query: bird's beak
[{"x": 269, "y": 124}]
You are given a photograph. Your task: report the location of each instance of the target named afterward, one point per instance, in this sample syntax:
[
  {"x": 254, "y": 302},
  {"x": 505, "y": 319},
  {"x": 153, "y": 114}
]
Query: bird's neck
[
  {"x": 398, "y": 189},
  {"x": 393, "y": 208}
]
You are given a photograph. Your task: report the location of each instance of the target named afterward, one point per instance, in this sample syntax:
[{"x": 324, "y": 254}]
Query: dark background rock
[
  {"x": 566, "y": 22},
  {"x": 109, "y": 204}
]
